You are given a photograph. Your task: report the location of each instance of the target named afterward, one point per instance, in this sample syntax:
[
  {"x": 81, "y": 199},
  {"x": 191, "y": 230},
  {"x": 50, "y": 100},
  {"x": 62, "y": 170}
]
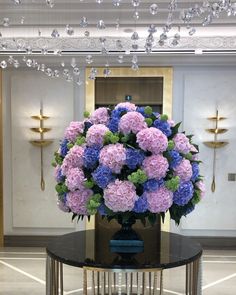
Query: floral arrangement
[{"x": 127, "y": 162}]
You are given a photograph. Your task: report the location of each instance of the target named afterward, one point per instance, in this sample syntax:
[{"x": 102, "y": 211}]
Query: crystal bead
[
  {"x": 192, "y": 31},
  {"x": 89, "y": 59},
  {"x": 119, "y": 45},
  {"x": 101, "y": 25},
  {"x": 6, "y": 22},
  {"x": 136, "y": 15},
  {"x": 55, "y": 34},
  {"x": 152, "y": 29},
  {"x": 22, "y": 20},
  {"x": 120, "y": 59},
  {"x": 3, "y": 64},
  {"x": 16, "y": 64},
  {"x": 65, "y": 72},
  {"x": 134, "y": 59},
  {"x": 62, "y": 64},
  {"x": 135, "y": 36},
  {"x": 153, "y": 9},
  {"x": 48, "y": 72},
  {"x": 29, "y": 62},
  {"x": 17, "y": 2},
  {"x": 135, "y": 46},
  {"x": 69, "y": 30},
  {"x": 134, "y": 67},
  {"x": 73, "y": 62},
  {"x": 50, "y": 3},
  {"x": 99, "y": 1},
  {"x": 86, "y": 33},
  {"x": 116, "y": 2},
  {"x": 135, "y": 3},
  {"x": 106, "y": 72},
  {"x": 84, "y": 22},
  {"x": 76, "y": 71},
  {"x": 56, "y": 74},
  {"x": 79, "y": 82}
]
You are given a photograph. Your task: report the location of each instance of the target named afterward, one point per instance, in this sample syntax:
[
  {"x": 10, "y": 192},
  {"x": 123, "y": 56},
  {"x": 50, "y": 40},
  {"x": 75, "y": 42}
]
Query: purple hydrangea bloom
[
  {"x": 184, "y": 193},
  {"x": 152, "y": 184},
  {"x": 134, "y": 158},
  {"x": 175, "y": 159},
  {"x": 114, "y": 124},
  {"x": 141, "y": 205},
  {"x": 91, "y": 156},
  {"x": 163, "y": 126},
  {"x": 195, "y": 168},
  {"x": 63, "y": 148},
  {"x": 102, "y": 176}
]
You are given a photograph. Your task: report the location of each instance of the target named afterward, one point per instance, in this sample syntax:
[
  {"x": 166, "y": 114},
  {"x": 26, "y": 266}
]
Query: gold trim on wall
[
  {"x": 1, "y": 169},
  {"x": 165, "y": 72}
]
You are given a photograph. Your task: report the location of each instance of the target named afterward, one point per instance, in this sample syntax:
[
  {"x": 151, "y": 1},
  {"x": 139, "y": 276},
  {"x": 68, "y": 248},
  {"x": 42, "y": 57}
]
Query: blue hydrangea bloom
[
  {"x": 63, "y": 147},
  {"x": 141, "y": 110},
  {"x": 134, "y": 158},
  {"x": 102, "y": 176},
  {"x": 164, "y": 126},
  {"x": 175, "y": 159},
  {"x": 152, "y": 184},
  {"x": 59, "y": 176},
  {"x": 118, "y": 112},
  {"x": 184, "y": 193},
  {"x": 140, "y": 205},
  {"x": 114, "y": 124},
  {"x": 91, "y": 155},
  {"x": 101, "y": 210},
  {"x": 195, "y": 169}
]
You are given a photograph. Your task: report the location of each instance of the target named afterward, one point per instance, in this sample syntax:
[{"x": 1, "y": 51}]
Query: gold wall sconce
[
  {"x": 41, "y": 142},
  {"x": 215, "y": 144}
]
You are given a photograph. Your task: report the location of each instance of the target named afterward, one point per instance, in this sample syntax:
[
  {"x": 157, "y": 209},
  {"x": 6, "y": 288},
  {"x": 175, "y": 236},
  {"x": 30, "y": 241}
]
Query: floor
[{"x": 22, "y": 272}]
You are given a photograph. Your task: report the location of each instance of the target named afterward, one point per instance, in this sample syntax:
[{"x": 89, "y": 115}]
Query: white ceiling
[{"x": 218, "y": 39}]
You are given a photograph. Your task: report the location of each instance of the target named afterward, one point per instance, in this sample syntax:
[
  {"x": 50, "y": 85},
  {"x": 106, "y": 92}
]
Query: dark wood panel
[{"x": 144, "y": 90}]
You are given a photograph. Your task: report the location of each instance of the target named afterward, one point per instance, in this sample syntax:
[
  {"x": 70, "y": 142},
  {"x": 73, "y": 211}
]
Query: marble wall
[
  {"x": 28, "y": 209},
  {"x": 198, "y": 92}
]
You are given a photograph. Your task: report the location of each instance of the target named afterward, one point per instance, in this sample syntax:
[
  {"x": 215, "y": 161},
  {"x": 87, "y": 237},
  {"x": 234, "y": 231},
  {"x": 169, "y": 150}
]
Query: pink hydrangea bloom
[
  {"x": 75, "y": 179},
  {"x": 128, "y": 105},
  {"x": 171, "y": 122},
  {"x": 153, "y": 140},
  {"x": 62, "y": 206},
  {"x": 120, "y": 196},
  {"x": 100, "y": 116},
  {"x": 155, "y": 166},
  {"x": 77, "y": 201},
  {"x": 159, "y": 200},
  {"x": 201, "y": 185},
  {"x": 195, "y": 157},
  {"x": 132, "y": 122},
  {"x": 74, "y": 159},
  {"x": 182, "y": 143},
  {"x": 74, "y": 129},
  {"x": 95, "y": 134},
  {"x": 184, "y": 170},
  {"x": 113, "y": 156}
]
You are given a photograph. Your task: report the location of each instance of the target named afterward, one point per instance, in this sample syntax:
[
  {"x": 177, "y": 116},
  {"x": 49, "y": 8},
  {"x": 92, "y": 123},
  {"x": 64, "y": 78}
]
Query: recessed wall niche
[{"x": 142, "y": 90}]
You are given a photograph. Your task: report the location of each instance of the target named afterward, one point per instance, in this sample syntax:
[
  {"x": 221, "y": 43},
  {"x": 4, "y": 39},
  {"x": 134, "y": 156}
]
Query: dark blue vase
[{"x": 126, "y": 240}]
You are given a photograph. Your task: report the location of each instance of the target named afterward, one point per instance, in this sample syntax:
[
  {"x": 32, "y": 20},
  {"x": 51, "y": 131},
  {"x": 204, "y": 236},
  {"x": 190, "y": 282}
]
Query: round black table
[{"x": 90, "y": 250}]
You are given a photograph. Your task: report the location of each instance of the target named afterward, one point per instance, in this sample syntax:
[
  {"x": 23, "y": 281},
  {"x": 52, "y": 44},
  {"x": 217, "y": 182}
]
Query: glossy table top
[{"x": 90, "y": 248}]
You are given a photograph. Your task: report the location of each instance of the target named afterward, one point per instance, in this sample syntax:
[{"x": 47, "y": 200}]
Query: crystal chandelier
[{"x": 89, "y": 38}]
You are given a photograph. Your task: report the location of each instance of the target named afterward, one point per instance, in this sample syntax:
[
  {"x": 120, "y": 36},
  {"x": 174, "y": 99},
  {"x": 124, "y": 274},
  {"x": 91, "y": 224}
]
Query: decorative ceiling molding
[{"x": 94, "y": 45}]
